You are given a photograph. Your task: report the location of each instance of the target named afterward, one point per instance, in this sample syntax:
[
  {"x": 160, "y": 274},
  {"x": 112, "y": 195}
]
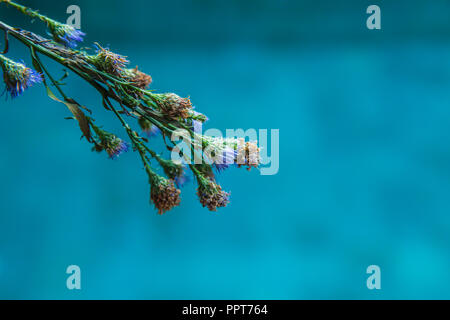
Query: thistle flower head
[
  {"x": 148, "y": 128},
  {"x": 228, "y": 157},
  {"x": 248, "y": 154},
  {"x": 219, "y": 152},
  {"x": 116, "y": 147},
  {"x": 173, "y": 106},
  {"x": 113, "y": 145},
  {"x": 163, "y": 193},
  {"x": 211, "y": 194},
  {"x": 108, "y": 61},
  {"x": 64, "y": 34},
  {"x": 17, "y": 76},
  {"x": 138, "y": 78}
]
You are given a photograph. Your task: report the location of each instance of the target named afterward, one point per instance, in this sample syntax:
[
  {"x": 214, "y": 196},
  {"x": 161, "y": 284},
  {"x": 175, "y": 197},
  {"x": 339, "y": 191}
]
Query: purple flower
[
  {"x": 71, "y": 39},
  {"x": 148, "y": 128},
  {"x": 181, "y": 179},
  {"x": 117, "y": 147},
  {"x": 17, "y": 76},
  {"x": 151, "y": 131},
  {"x": 65, "y": 34},
  {"x": 228, "y": 157},
  {"x": 106, "y": 141},
  {"x": 212, "y": 196}
]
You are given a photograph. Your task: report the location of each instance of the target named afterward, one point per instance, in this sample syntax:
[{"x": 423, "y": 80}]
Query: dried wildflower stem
[
  {"x": 107, "y": 73},
  {"x": 33, "y": 43},
  {"x": 27, "y": 11}
]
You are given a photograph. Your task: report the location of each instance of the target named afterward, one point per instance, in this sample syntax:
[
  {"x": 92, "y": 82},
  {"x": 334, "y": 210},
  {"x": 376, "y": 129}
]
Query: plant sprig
[{"x": 164, "y": 113}]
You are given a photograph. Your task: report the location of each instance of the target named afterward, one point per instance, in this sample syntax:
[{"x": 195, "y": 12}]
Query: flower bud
[
  {"x": 211, "y": 194},
  {"x": 148, "y": 128},
  {"x": 248, "y": 154},
  {"x": 64, "y": 34},
  {"x": 108, "y": 61},
  {"x": 173, "y": 106},
  {"x": 113, "y": 145},
  {"x": 17, "y": 76},
  {"x": 138, "y": 78},
  {"x": 163, "y": 193}
]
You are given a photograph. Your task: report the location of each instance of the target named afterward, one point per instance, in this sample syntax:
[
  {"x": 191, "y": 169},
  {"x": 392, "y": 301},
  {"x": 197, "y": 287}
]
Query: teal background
[{"x": 364, "y": 177}]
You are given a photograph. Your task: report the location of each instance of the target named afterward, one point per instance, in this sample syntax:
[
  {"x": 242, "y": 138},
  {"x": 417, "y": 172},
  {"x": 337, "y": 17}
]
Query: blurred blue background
[{"x": 364, "y": 119}]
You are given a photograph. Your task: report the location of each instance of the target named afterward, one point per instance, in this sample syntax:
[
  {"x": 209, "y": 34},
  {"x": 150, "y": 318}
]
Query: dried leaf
[{"x": 73, "y": 106}]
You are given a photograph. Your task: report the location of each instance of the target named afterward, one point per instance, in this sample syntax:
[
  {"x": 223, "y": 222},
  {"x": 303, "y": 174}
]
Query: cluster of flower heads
[
  {"x": 17, "y": 76},
  {"x": 172, "y": 111}
]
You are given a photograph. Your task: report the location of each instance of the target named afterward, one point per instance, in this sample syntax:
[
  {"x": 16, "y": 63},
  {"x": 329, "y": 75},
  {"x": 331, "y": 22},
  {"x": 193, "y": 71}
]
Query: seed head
[{"x": 164, "y": 194}]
